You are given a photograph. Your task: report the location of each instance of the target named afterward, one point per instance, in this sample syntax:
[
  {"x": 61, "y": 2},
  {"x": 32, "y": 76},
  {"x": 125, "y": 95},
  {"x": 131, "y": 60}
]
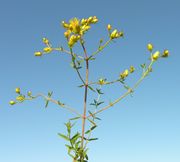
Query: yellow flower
[
  {"x": 150, "y": 47},
  {"x": 12, "y": 102},
  {"x": 84, "y": 21},
  {"x": 38, "y": 53},
  {"x": 17, "y": 90},
  {"x": 95, "y": 20},
  {"x": 20, "y": 98},
  {"x": 90, "y": 19},
  {"x": 155, "y": 56},
  {"x": 109, "y": 27},
  {"x": 124, "y": 74},
  {"x": 72, "y": 40},
  {"x": 74, "y": 25},
  {"x": 131, "y": 69},
  {"x": 165, "y": 53},
  {"x": 47, "y": 49},
  {"x": 45, "y": 41}
]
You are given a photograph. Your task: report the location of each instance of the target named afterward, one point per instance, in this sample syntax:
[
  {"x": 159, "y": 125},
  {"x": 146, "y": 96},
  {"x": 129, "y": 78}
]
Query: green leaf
[
  {"x": 97, "y": 118},
  {"x": 91, "y": 58},
  {"x": 99, "y": 91},
  {"x": 50, "y": 94},
  {"x": 91, "y": 88},
  {"x": 81, "y": 86},
  {"x": 74, "y": 138},
  {"x": 63, "y": 136},
  {"x": 92, "y": 122},
  {"x": 92, "y": 128},
  {"x": 92, "y": 139},
  {"x": 75, "y": 118},
  {"x": 47, "y": 102},
  {"x": 143, "y": 66},
  {"x": 68, "y": 146},
  {"x": 69, "y": 126},
  {"x": 99, "y": 103}
]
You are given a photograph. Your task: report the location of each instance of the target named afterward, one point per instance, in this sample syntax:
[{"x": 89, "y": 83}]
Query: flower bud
[
  {"x": 17, "y": 90},
  {"x": 150, "y": 47},
  {"x": 47, "y": 49},
  {"x": 65, "y": 25},
  {"x": 12, "y": 102},
  {"x": 121, "y": 34},
  {"x": 67, "y": 34},
  {"x": 45, "y": 41},
  {"x": 155, "y": 56},
  {"x": 124, "y": 74},
  {"x": 165, "y": 53},
  {"x": 109, "y": 27},
  {"x": 114, "y": 34},
  {"x": 38, "y": 53},
  {"x": 29, "y": 93},
  {"x": 95, "y": 20},
  {"x": 83, "y": 21},
  {"x": 131, "y": 69},
  {"x": 20, "y": 98},
  {"x": 90, "y": 19}
]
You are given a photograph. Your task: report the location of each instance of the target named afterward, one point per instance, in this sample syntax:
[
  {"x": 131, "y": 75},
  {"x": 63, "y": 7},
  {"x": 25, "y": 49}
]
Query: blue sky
[{"x": 142, "y": 128}]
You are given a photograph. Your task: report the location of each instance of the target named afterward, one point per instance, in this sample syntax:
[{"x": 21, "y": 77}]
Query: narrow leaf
[
  {"x": 75, "y": 118},
  {"x": 63, "y": 136},
  {"x": 91, "y": 88}
]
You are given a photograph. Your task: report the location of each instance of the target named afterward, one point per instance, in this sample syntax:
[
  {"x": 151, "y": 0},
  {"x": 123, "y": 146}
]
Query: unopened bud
[
  {"x": 155, "y": 56},
  {"x": 109, "y": 27},
  {"x": 12, "y": 102},
  {"x": 17, "y": 90},
  {"x": 165, "y": 53},
  {"x": 38, "y": 53},
  {"x": 45, "y": 41},
  {"x": 150, "y": 47},
  {"x": 47, "y": 49}
]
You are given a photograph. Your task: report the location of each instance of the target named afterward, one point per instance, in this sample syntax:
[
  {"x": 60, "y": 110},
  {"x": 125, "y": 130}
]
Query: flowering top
[{"x": 77, "y": 28}]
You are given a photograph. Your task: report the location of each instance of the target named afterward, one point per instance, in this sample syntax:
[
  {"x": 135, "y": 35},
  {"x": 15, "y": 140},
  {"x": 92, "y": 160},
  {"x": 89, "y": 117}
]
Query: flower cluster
[
  {"x": 19, "y": 98},
  {"x": 156, "y": 55},
  {"x": 46, "y": 49},
  {"x": 126, "y": 72},
  {"x": 115, "y": 33},
  {"x": 76, "y": 28}
]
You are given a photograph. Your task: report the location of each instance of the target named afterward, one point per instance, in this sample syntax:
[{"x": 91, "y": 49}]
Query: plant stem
[
  {"x": 77, "y": 68},
  {"x": 85, "y": 96}
]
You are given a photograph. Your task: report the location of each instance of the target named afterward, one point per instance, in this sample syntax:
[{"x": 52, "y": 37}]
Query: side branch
[
  {"x": 129, "y": 91},
  {"x": 101, "y": 48},
  {"x": 72, "y": 110},
  {"x": 68, "y": 52}
]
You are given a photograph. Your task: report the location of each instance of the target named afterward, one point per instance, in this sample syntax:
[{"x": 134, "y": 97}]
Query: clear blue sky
[{"x": 142, "y": 128}]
